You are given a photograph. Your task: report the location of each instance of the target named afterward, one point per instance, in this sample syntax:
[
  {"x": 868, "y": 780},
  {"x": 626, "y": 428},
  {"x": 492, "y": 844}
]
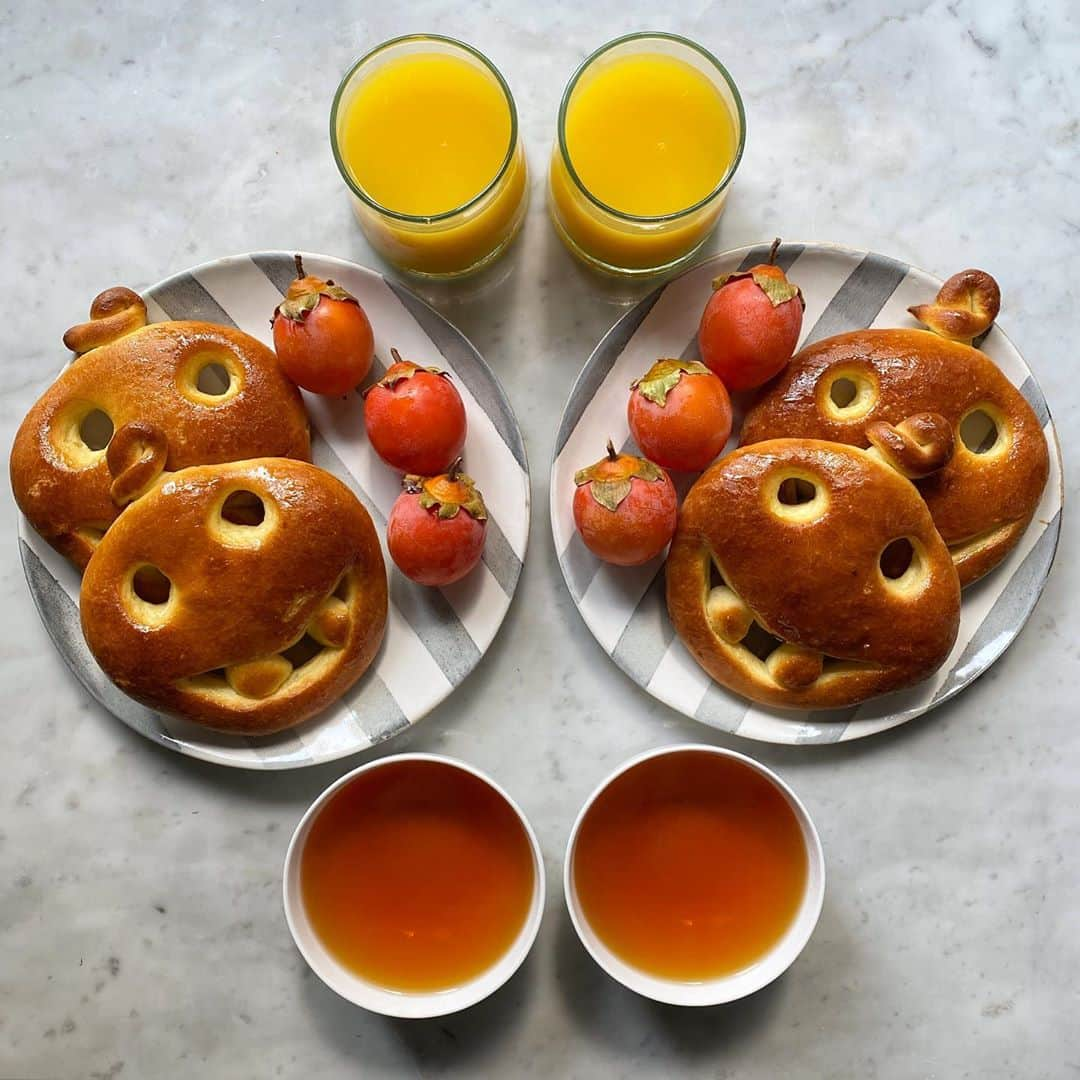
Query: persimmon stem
[
  {"x": 395, "y": 355},
  {"x": 455, "y": 469},
  {"x": 773, "y": 250},
  {"x": 612, "y": 456},
  {"x": 299, "y": 266}
]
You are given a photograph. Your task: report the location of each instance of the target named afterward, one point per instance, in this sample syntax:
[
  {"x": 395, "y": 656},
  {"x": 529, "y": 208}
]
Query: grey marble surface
[{"x": 141, "y": 932}]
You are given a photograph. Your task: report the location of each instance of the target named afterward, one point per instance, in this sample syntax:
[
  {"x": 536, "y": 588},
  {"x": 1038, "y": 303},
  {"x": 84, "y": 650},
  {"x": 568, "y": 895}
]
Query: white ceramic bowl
[
  {"x": 728, "y": 987},
  {"x": 370, "y": 995}
]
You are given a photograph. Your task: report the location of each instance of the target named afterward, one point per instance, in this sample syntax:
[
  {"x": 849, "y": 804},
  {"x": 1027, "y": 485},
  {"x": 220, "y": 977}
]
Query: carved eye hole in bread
[
  {"x": 903, "y": 565},
  {"x": 847, "y": 393},
  {"x": 147, "y": 595},
  {"x": 796, "y": 496},
  {"x": 80, "y": 433},
  {"x": 242, "y": 518},
  {"x": 96, "y": 430},
  {"x": 984, "y": 431},
  {"x": 210, "y": 378},
  {"x": 213, "y": 380}
]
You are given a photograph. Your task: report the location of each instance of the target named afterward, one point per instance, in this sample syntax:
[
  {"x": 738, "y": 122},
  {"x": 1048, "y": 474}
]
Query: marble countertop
[{"x": 141, "y": 931}]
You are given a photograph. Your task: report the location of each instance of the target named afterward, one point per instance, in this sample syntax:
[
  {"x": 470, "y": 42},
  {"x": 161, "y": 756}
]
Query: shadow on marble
[
  {"x": 462, "y": 1040},
  {"x": 604, "y": 1009}
]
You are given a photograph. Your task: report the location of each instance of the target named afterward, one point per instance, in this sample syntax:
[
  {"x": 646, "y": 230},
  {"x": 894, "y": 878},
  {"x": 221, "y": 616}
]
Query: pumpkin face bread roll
[
  {"x": 140, "y": 401},
  {"x": 845, "y": 387},
  {"x": 809, "y": 575},
  {"x": 245, "y": 596}
]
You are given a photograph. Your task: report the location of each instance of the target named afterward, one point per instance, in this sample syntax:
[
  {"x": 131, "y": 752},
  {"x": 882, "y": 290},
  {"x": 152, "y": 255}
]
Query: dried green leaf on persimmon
[
  {"x": 778, "y": 289},
  {"x": 664, "y": 376},
  {"x": 609, "y": 490}
]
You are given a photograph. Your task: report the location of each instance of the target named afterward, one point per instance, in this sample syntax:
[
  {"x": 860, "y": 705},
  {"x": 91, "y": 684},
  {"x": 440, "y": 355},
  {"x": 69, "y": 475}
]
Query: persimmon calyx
[
  {"x": 305, "y": 292},
  {"x": 610, "y": 480},
  {"x": 447, "y": 494},
  {"x": 406, "y": 369},
  {"x": 664, "y": 376},
  {"x": 778, "y": 289}
]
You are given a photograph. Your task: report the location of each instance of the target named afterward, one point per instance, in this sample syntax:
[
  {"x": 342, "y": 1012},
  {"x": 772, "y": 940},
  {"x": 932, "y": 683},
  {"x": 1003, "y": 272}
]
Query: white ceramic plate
[
  {"x": 845, "y": 290},
  {"x": 434, "y": 637}
]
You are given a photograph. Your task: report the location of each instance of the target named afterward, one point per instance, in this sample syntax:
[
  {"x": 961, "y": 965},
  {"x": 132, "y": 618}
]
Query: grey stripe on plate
[
  {"x": 373, "y": 709},
  {"x": 280, "y": 269},
  {"x": 647, "y": 636},
  {"x": 860, "y": 298},
  {"x": 721, "y": 708},
  {"x": 1034, "y": 397},
  {"x": 1009, "y": 613},
  {"x": 182, "y": 297},
  {"x": 427, "y": 611},
  {"x": 786, "y": 254},
  {"x": 579, "y": 566},
  {"x": 599, "y": 364},
  {"x": 500, "y": 558},
  {"x": 61, "y": 617},
  {"x": 472, "y": 371}
]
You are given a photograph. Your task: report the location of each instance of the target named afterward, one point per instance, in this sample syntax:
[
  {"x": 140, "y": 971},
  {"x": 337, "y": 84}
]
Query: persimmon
[
  {"x": 415, "y": 418},
  {"x": 679, "y": 414},
  {"x": 751, "y": 324},
  {"x": 322, "y": 336},
  {"x": 437, "y": 527},
  {"x": 625, "y": 508}
]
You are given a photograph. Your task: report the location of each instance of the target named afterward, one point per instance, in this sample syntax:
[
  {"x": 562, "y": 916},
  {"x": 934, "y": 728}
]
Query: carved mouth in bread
[
  {"x": 807, "y": 574},
  {"x": 305, "y": 661},
  {"x": 244, "y": 596},
  {"x": 761, "y": 655}
]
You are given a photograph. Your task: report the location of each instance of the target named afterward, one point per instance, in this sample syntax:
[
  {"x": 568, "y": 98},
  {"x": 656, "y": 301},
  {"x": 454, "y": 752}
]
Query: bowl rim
[
  {"x": 725, "y": 988},
  {"x": 380, "y": 999}
]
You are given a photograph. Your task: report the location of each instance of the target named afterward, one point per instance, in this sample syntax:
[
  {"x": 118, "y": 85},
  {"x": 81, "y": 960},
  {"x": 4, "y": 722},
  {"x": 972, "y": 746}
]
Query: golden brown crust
[
  {"x": 981, "y": 503},
  {"x": 920, "y": 445},
  {"x": 149, "y": 378},
  {"x": 113, "y": 313},
  {"x": 239, "y": 596},
  {"x": 809, "y": 574},
  {"x": 965, "y": 306}
]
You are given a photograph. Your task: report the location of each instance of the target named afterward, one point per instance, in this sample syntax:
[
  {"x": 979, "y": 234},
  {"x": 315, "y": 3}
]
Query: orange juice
[
  {"x": 425, "y": 133},
  {"x": 647, "y": 135},
  {"x": 417, "y": 876},
  {"x": 690, "y": 866}
]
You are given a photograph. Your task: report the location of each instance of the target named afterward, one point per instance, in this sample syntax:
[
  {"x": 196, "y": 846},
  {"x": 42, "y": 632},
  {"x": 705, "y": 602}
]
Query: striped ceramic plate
[
  {"x": 845, "y": 290},
  {"x": 434, "y": 637}
]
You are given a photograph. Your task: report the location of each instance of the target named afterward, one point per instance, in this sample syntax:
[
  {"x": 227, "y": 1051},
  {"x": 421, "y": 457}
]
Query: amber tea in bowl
[
  {"x": 414, "y": 886},
  {"x": 694, "y": 875}
]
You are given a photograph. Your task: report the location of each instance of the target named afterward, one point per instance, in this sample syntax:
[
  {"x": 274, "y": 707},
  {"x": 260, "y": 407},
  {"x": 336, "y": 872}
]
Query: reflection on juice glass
[
  {"x": 651, "y": 130},
  {"x": 424, "y": 131}
]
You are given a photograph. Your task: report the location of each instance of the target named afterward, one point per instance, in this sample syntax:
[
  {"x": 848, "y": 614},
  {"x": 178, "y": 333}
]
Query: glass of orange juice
[
  {"x": 651, "y": 131},
  {"x": 425, "y": 134}
]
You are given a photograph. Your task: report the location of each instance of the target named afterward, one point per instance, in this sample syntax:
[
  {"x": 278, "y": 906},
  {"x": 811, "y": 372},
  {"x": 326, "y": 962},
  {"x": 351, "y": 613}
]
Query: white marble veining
[{"x": 141, "y": 931}]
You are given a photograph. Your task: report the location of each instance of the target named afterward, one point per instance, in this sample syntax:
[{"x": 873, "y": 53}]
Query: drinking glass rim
[
  {"x": 357, "y": 189},
  {"x": 564, "y": 151}
]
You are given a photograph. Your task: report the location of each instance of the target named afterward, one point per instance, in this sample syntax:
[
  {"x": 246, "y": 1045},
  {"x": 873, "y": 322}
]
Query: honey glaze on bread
[
  {"x": 840, "y": 388},
  {"x": 244, "y": 596},
  {"x": 789, "y": 582},
  {"x": 142, "y": 400}
]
